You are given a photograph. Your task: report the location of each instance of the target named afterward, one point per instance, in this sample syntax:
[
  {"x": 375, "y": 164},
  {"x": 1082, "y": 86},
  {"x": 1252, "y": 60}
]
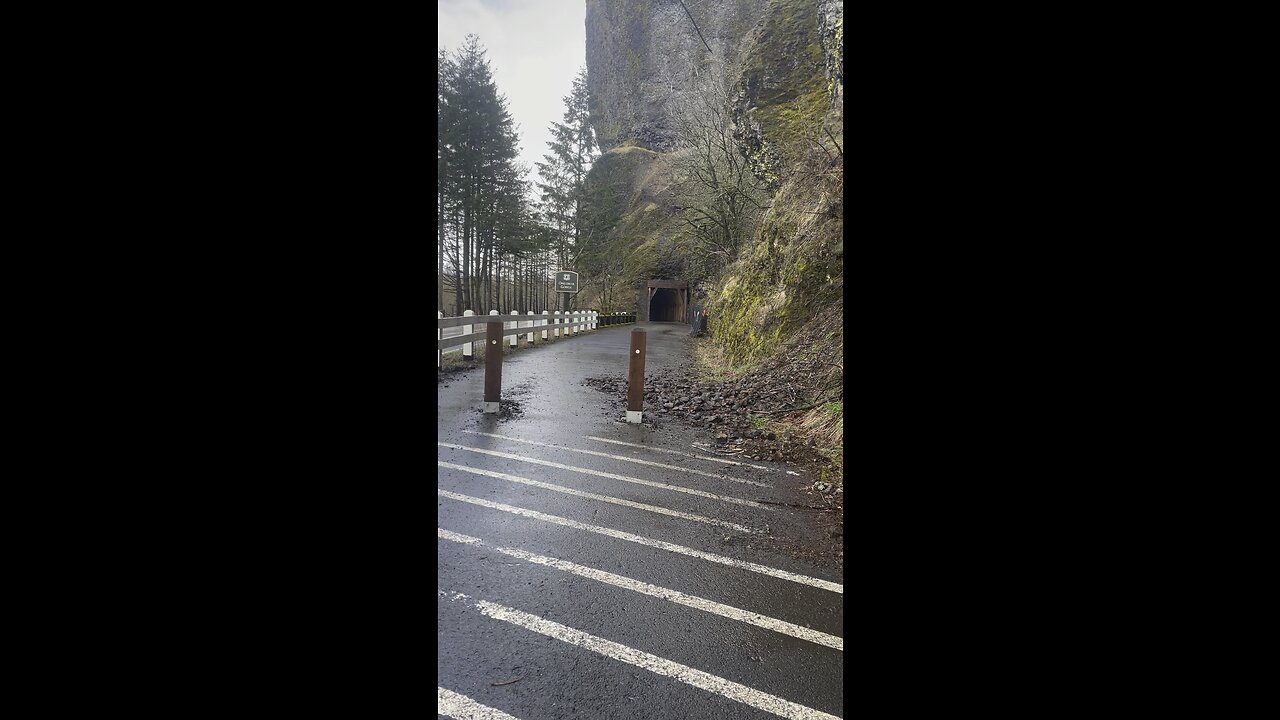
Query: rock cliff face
[
  {"x": 784, "y": 63},
  {"x": 639, "y": 50},
  {"x": 831, "y": 32}
]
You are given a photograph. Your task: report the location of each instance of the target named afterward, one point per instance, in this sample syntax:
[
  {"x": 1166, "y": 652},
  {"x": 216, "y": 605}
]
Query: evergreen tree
[
  {"x": 476, "y": 175},
  {"x": 564, "y": 173}
]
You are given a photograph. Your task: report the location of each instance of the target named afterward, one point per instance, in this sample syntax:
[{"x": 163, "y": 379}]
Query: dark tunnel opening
[{"x": 667, "y": 306}]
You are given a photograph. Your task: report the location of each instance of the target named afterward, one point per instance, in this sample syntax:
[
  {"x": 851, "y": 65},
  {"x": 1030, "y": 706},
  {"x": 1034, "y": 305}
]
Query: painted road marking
[
  {"x": 677, "y": 452},
  {"x": 601, "y": 498},
  {"x": 675, "y": 596},
  {"x": 640, "y": 540},
  {"x": 654, "y": 664},
  {"x": 677, "y": 468},
  {"x": 451, "y": 704},
  {"x": 624, "y": 478}
]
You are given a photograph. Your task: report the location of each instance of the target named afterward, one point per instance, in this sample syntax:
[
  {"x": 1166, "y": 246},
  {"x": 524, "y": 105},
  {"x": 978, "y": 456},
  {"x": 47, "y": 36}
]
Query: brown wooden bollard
[
  {"x": 492, "y": 366},
  {"x": 635, "y": 377}
]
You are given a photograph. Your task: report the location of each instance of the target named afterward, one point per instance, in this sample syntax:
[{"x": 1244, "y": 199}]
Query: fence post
[
  {"x": 516, "y": 327},
  {"x": 635, "y": 377},
  {"x": 532, "y": 324},
  {"x": 492, "y": 365},
  {"x": 544, "y": 325},
  {"x": 468, "y": 350},
  {"x": 595, "y": 319},
  {"x": 557, "y": 330},
  {"x": 439, "y": 337}
]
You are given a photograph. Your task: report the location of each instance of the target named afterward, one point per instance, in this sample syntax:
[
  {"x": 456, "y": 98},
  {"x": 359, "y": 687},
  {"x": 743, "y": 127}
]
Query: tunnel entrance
[
  {"x": 666, "y": 301},
  {"x": 663, "y": 306}
]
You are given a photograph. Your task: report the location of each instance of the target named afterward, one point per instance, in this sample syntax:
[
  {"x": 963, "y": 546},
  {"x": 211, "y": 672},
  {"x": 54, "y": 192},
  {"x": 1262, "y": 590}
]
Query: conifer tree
[
  {"x": 564, "y": 173},
  {"x": 480, "y": 195}
]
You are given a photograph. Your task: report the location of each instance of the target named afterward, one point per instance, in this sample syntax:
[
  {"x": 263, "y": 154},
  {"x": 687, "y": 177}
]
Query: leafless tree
[{"x": 719, "y": 197}]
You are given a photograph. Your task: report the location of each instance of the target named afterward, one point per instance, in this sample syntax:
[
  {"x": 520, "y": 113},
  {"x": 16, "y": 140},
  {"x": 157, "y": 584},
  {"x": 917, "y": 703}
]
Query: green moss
[
  {"x": 629, "y": 146},
  {"x": 781, "y": 280},
  {"x": 784, "y": 77}
]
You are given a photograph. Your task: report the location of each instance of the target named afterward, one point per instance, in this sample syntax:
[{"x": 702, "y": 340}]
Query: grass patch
[
  {"x": 711, "y": 365},
  {"x": 455, "y": 361},
  {"x": 825, "y": 424}
]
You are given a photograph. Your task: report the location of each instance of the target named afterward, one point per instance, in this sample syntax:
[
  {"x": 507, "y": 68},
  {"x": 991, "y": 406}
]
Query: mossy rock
[{"x": 783, "y": 89}]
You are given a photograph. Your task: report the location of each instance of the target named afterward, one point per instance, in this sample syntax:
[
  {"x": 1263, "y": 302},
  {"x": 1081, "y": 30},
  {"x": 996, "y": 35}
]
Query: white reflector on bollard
[{"x": 468, "y": 350}]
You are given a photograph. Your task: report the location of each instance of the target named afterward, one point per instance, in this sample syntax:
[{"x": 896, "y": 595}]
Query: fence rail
[{"x": 547, "y": 325}]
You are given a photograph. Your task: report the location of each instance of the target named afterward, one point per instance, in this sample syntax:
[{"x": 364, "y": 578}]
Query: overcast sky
[{"x": 535, "y": 48}]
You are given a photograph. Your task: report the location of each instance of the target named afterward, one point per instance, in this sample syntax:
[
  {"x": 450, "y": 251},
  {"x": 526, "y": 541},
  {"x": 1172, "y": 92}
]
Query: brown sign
[{"x": 567, "y": 281}]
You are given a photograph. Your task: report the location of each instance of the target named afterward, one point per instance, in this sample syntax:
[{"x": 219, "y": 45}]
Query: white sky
[{"x": 535, "y": 48}]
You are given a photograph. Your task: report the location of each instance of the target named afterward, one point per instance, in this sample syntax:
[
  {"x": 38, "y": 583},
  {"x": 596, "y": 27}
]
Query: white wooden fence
[{"x": 459, "y": 334}]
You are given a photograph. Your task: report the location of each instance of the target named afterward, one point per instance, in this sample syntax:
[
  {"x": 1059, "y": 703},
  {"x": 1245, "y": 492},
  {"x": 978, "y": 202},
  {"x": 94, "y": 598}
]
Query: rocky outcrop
[
  {"x": 781, "y": 97},
  {"x": 639, "y": 51},
  {"x": 831, "y": 33}
]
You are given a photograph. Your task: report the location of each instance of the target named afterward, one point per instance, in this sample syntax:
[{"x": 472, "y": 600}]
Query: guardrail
[{"x": 548, "y": 325}]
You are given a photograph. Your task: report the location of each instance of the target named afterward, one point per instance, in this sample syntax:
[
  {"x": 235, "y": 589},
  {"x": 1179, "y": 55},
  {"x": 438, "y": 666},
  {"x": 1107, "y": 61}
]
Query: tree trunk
[
  {"x": 457, "y": 269},
  {"x": 440, "y": 246},
  {"x": 487, "y": 275},
  {"x": 465, "y": 260}
]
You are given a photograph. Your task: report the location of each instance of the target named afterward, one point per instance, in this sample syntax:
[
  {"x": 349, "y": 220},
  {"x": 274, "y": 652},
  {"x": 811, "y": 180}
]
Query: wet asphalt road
[{"x": 558, "y": 673}]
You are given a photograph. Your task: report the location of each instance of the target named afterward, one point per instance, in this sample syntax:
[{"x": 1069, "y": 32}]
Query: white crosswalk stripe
[
  {"x": 675, "y": 596},
  {"x": 653, "y": 663},
  {"x": 602, "y": 498},
  {"x": 649, "y": 542},
  {"x": 461, "y": 707},
  {"x": 709, "y": 458},
  {"x": 677, "y": 468},
  {"x": 598, "y": 473}
]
